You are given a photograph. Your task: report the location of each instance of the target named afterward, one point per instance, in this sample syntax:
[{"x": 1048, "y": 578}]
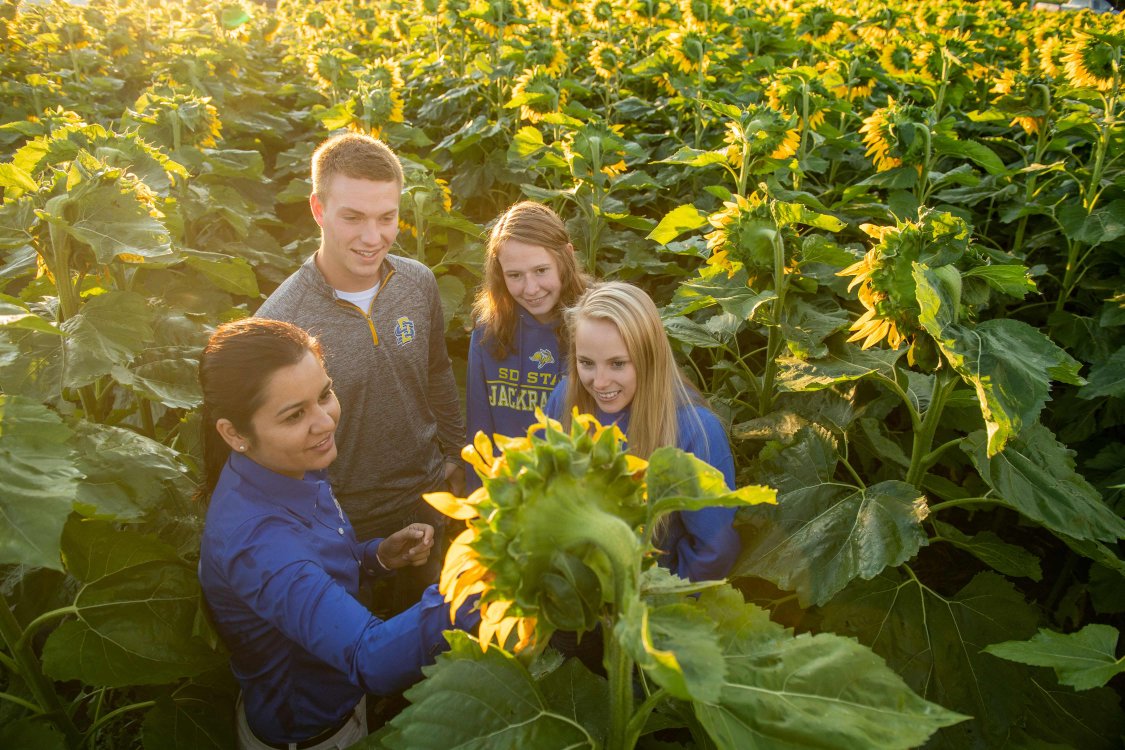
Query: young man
[{"x": 379, "y": 320}]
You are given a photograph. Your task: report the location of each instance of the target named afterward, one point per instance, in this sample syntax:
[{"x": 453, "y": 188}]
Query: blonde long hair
[
  {"x": 494, "y": 307},
  {"x": 661, "y": 388}
]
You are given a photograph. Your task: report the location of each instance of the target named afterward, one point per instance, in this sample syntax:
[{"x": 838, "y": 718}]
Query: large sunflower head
[
  {"x": 792, "y": 89},
  {"x": 377, "y": 97},
  {"x": 743, "y": 236},
  {"x": 490, "y": 17},
  {"x": 176, "y": 119},
  {"x": 600, "y": 14},
  {"x": 536, "y": 93},
  {"x": 896, "y": 58},
  {"x": 820, "y": 24},
  {"x": 334, "y": 69},
  {"x": 1024, "y": 97},
  {"x": 893, "y": 135},
  {"x": 1048, "y": 52},
  {"x": 605, "y": 60},
  {"x": 946, "y": 52},
  {"x": 541, "y": 48},
  {"x": 885, "y": 275},
  {"x": 1095, "y": 61},
  {"x": 761, "y": 134},
  {"x": 553, "y": 533},
  {"x": 654, "y": 12},
  {"x": 596, "y": 152},
  {"x": 686, "y": 47}
]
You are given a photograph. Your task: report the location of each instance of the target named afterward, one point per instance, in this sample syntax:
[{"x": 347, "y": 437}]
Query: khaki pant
[{"x": 352, "y": 732}]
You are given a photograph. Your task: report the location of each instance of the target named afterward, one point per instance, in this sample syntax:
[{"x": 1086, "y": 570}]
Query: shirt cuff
[{"x": 372, "y": 565}]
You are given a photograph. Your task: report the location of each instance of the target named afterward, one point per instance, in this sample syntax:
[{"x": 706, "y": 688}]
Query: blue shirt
[
  {"x": 700, "y": 545},
  {"x": 501, "y": 395},
  {"x": 280, "y": 569}
]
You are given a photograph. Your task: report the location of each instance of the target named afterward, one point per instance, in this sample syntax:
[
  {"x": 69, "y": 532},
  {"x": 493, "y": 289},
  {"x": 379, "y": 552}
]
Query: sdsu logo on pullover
[{"x": 400, "y": 415}]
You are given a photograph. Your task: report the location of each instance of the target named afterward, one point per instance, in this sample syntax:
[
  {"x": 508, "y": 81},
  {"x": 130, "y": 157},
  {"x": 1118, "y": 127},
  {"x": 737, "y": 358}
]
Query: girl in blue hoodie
[{"x": 530, "y": 274}]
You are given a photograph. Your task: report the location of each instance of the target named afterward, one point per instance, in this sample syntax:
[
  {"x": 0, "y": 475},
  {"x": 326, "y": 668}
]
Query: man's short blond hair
[{"x": 360, "y": 157}]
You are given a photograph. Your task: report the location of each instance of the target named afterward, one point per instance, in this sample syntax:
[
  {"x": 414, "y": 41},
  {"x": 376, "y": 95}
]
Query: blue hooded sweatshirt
[{"x": 501, "y": 395}]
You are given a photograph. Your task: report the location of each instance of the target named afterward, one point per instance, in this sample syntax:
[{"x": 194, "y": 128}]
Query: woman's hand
[{"x": 409, "y": 546}]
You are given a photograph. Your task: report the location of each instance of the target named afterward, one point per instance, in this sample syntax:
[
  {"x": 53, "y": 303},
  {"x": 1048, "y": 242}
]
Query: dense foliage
[{"x": 886, "y": 237}]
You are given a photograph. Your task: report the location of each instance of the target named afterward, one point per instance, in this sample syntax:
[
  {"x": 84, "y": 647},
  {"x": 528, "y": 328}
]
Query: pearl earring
[{"x": 242, "y": 447}]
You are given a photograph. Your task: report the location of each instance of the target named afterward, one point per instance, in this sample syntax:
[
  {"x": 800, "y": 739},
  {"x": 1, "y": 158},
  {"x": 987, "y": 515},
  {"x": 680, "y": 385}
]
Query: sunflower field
[{"x": 887, "y": 239}]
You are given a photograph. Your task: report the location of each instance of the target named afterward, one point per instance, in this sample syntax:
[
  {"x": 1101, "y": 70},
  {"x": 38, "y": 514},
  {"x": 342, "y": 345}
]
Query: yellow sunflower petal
[
  {"x": 450, "y": 505},
  {"x": 859, "y": 278},
  {"x": 633, "y": 464},
  {"x": 505, "y": 443},
  {"x": 864, "y": 321},
  {"x": 470, "y": 456},
  {"x": 504, "y": 629},
  {"x": 461, "y": 594},
  {"x": 854, "y": 268},
  {"x": 484, "y": 447},
  {"x": 526, "y": 631},
  {"x": 866, "y": 330},
  {"x": 876, "y": 335}
]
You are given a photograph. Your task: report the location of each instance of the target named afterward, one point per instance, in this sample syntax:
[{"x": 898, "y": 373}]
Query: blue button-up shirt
[{"x": 280, "y": 569}]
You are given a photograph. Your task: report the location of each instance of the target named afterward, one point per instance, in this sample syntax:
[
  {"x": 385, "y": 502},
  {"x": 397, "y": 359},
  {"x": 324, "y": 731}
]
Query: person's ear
[
  {"x": 570, "y": 247},
  {"x": 317, "y": 209},
  {"x": 231, "y": 436}
]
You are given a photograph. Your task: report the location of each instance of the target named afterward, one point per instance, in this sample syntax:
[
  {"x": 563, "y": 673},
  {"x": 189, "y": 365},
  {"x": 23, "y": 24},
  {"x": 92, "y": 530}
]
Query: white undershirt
[{"x": 362, "y": 300}]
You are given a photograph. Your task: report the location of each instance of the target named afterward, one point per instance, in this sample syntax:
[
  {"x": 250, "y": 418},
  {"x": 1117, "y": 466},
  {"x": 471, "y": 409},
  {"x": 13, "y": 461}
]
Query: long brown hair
[
  {"x": 494, "y": 307},
  {"x": 234, "y": 371}
]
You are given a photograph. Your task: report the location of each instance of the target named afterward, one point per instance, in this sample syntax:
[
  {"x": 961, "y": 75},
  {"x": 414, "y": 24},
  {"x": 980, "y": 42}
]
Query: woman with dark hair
[{"x": 280, "y": 565}]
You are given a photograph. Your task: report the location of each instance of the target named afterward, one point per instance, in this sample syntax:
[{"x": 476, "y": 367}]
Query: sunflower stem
[
  {"x": 29, "y": 668},
  {"x": 775, "y": 340},
  {"x": 1029, "y": 187},
  {"x": 958, "y": 502},
  {"x": 851, "y": 470},
  {"x": 619, "y": 670},
  {"x": 924, "y": 438},
  {"x": 640, "y": 717},
  {"x": 915, "y": 419}
]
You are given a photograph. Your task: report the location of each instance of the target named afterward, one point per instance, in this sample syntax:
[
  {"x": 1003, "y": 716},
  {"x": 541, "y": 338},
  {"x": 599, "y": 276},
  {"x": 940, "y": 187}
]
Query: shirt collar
[
  {"x": 326, "y": 289},
  {"x": 294, "y": 494},
  {"x": 621, "y": 418},
  {"x": 528, "y": 319}
]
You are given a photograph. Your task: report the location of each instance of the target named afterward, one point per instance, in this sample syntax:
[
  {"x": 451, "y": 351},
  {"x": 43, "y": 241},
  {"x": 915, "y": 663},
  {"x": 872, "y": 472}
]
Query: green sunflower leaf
[
  {"x": 1008, "y": 363},
  {"x": 821, "y": 690},
  {"x": 1012, "y": 280},
  {"x": 1106, "y": 378},
  {"x": 1009, "y": 559},
  {"x": 1035, "y": 475},
  {"x": 682, "y": 219},
  {"x": 110, "y": 330},
  {"x": 133, "y": 627},
  {"x": 40, "y": 483},
  {"x": 509, "y": 708},
  {"x": 1082, "y": 660}
]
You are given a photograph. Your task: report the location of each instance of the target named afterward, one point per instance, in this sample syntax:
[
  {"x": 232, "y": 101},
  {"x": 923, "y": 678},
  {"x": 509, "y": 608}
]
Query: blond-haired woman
[
  {"x": 530, "y": 274},
  {"x": 621, "y": 369}
]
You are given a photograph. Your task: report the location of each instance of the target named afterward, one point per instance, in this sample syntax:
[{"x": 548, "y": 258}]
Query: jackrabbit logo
[
  {"x": 404, "y": 330},
  {"x": 542, "y": 358}
]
